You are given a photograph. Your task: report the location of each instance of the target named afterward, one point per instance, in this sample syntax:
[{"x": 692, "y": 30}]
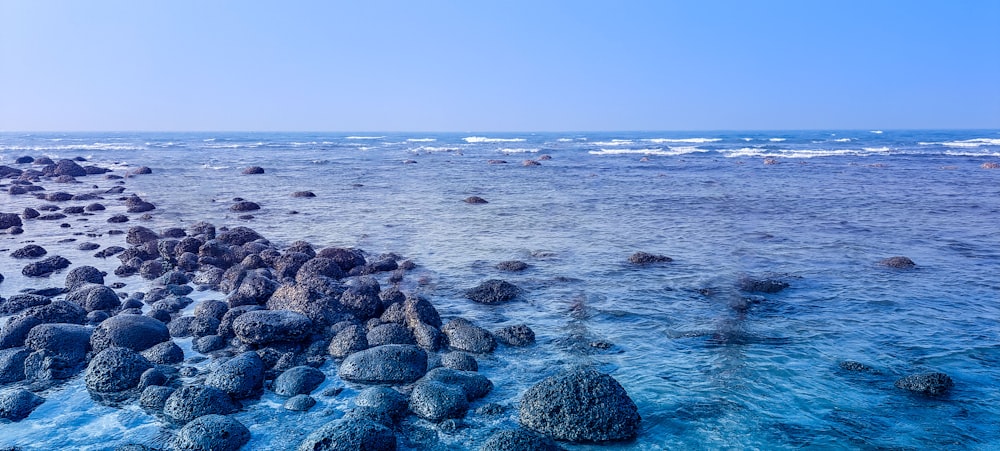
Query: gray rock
[
  {"x": 361, "y": 298},
  {"x": 898, "y": 262},
  {"x": 427, "y": 336},
  {"x": 319, "y": 301},
  {"x": 516, "y": 335},
  {"x": 245, "y": 206},
  {"x": 13, "y": 333},
  {"x": 137, "y": 332},
  {"x": 391, "y": 333},
  {"x": 67, "y": 167},
  {"x": 211, "y": 308},
  {"x": 211, "y": 433},
  {"x": 319, "y": 267},
  {"x": 417, "y": 310},
  {"x": 645, "y": 258},
  {"x": 253, "y": 289},
  {"x": 45, "y": 267},
  {"x": 347, "y": 258},
  {"x": 926, "y": 383},
  {"x": 435, "y": 401},
  {"x": 519, "y": 440},
  {"x": 493, "y": 291},
  {"x": 465, "y": 336},
  {"x": 139, "y": 235},
  {"x": 350, "y": 434},
  {"x": 383, "y": 399},
  {"x": 473, "y": 384},
  {"x": 12, "y": 364},
  {"x": 459, "y": 361},
  {"x": 300, "y": 380},
  {"x": 269, "y": 326},
  {"x": 300, "y": 403},
  {"x": 92, "y": 296},
  {"x": 82, "y": 275},
  {"x": 8, "y": 220},
  {"x": 239, "y": 236},
  {"x": 388, "y": 364},
  {"x": 202, "y": 326},
  {"x": 239, "y": 377},
  {"x": 192, "y": 401},
  {"x": 580, "y": 406},
  {"x": 755, "y": 285},
  {"x": 348, "y": 341},
  {"x": 19, "y": 302},
  {"x": 253, "y": 170},
  {"x": 512, "y": 266},
  {"x": 29, "y": 251},
  {"x": 209, "y": 343},
  {"x": 16, "y": 405},
  {"x": 71, "y": 341},
  {"x": 115, "y": 370},
  {"x": 154, "y": 397},
  {"x": 226, "y": 324}
]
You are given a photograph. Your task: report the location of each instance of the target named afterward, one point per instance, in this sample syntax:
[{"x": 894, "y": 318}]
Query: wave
[
  {"x": 966, "y": 143},
  {"x": 94, "y": 146},
  {"x": 842, "y": 140},
  {"x": 953, "y": 153},
  {"x": 877, "y": 132},
  {"x": 235, "y": 146},
  {"x": 434, "y": 149},
  {"x": 811, "y": 153},
  {"x": 659, "y": 151},
  {"x": 683, "y": 140},
  {"x": 483, "y": 139},
  {"x": 421, "y": 140},
  {"x": 364, "y": 137},
  {"x": 776, "y": 140},
  {"x": 518, "y": 150},
  {"x": 614, "y": 142}
]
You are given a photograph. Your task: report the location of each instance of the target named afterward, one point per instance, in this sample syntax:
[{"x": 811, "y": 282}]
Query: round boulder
[
  {"x": 580, "y": 406},
  {"x": 516, "y": 335},
  {"x": 926, "y": 383},
  {"x": 898, "y": 262},
  {"x": 493, "y": 291},
  {"x": 387, "y": 364},
  {"x": 211, "y": 433},
  {"x": 16, "y": 405},
  {"x": 519, "y": 440},
  {"x": 299, "y": 380},
  {"x": 350, "y": 434},
  {"x": 465, "y": 336},
  {"x": 192, "y": 401},
  {"x": 259, "y": 327},
  {"x": 435, "y": 401},
  {"x": 115, "y": 370},
  {"x": 239, "y": 377},
  {"x": 645, "y": 258},
  {"x": 137, "y": 332},
  {"x": 383, "y": 399}
]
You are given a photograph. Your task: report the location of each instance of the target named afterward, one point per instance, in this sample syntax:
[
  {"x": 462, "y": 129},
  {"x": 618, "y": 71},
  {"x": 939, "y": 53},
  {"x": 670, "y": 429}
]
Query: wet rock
[
  {"x": 44, "y": 161},
  {"x": 45, "y": 267},
  {"x": 516, "y": 335},
  {"x": 245, "y": 206},
  {"x": 109, "y": 251},
  {"x": 850, "y": 365},
  {"x": 136, "y": 332},
  {"x": 361, "y": 298},
  {"x": 926, "y": 383},
  {"x": 115, "y": 370},
  {"x": 88, "y": 246},
  {"x": 66, "y": 167},
  {"x": 391, "y": 333},
  {"x": 118, "y": 219},
  {"x": 139, "y": 235},
  {"x": 94, "y": 207},
  {"x": 16, "y": 405},
  {"x": 58, "y": 196},
  {"x": 238, "y": 236},
  {"x": 240, "y": 377},
  {"x": 253, "y": 170},
  {"x": 755, "y": 285},
  {"x": 319, "y": 266},
  {"x": 383, "y": 399},
  {"x": 268, "y": 326},
  {"x": 24, "y": 159},
  {"x": 12, "y": 364},
  {"x": 346, "y": 258},
  {"x": 304, "y": 194},
  {"x": 211, "y": 433},
  {"x": 493, "y": 291},
  {"x": 192, "y": 401},
  {"x": 288, "y": 264},
  {"x": 435, "y": 401},
  {"x": 52, "y": 217},
  {"x": 645, "y": 258},
  {"x": 19, "y": 302},
  {"x": 387, "y": 364},
  {"x": 530, "y": 163},
  {"x": 475, "y": 200},
  {"x": 459, "y": 361},
  {"x": 580, "y": 406},
  {"x": 30, "y": 213},
  {"x": 134, "y": 204},
  {"x": 427, "y": 337},
  {"x": 154, "y": 397},
  {"x": 350, "y": 434},
  {"x": 74, "y": 210},
  {"x": 208, "y": 343},
  {"x": 519, "y": 440},
  {"x": 898, "y": 262},
  {"x": 92, "y": 297},
  {"x": 465, "y": 336},
  {"x": 300, "y": 380},
  {"x": 300, "y": 403},
  {"x": 13, "y": 333},
  {"x": 142, "y": 170},
  {"x": 68, "y": 342},
  {"x": 473, "y": 384},
  {"x": 990, "y": 165},
  {"x": 29, "y": 251},
  {"x": 348, "y": 341},
  {"x": 166, "y": 353},
  {"x": 417, "y": 310},
  {"x": 202, "y": 326},
  {"x": 512, "y": 266},
  {"x": 226, "y": 323}
]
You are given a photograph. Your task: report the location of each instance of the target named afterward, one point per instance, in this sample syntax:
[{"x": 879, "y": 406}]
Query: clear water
[{"x": 704, "y": 374}]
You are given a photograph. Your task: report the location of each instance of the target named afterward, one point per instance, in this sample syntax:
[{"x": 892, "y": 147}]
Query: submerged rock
[
  {"x": 475, "y": 200},
  {"x": 29, "y": 251},
  {"x": 211, "y": 433},
  {"x": 755, "y": 285},
  {"x": 350, "y": 434},
  {"x": 898, "y": 262},
  {"x": 493, "y": 291},
  {"x": 519, "y": 440},
  {"x": 926, "y": 383},
  {"x": 512, "y": 266},
  {"x": 580, "y": 406},
  {"x": 645, "y": 258},
  {"x": 383, "y": 399},
  {"x": 16, "y": 405}
]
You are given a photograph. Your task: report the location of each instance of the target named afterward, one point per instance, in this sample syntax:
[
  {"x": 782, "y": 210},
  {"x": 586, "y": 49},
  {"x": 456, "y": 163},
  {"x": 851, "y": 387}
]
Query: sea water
[{"x": 709, "y": 367}]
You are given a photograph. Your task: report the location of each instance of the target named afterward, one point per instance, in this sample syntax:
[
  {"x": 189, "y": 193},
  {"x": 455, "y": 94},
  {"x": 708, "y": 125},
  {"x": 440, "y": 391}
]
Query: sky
[{"x": 478, "y": 65}]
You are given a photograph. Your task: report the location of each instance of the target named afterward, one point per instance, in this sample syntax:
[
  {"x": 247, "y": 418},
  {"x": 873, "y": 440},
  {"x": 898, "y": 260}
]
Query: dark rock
[
  {"x": 96, "y": 317},
  {"x": 348, "y": 341},
  {"x": 139, "y": 235},
  {"x": 850, "y": 365},
  {"x": 154, "y": 397},
  {"x": 300, "y": 403},
  {"x": 202, "y": 326},
  {"x": 142, "y": 170},
  {"x": 52, "y": 217},
  {"x": 475, "y": 200},
  {"x": 88, "y": 246},
  {"x": 94, "y": 207},
  {"x": 134, "y": 204},
  {"x": 93, "y": 297},
  {"x": 211, "y": 308},
  {"x": 239, "y": 377},
  {"x": 435, "y": 401},
  {"x": 44, "y": 161},
  {"x": 166, "y": 353},
  {"x": 58, "y": 197},
  {"x": 12, "y": 364},
  {"x": 361, "y": 298},
  {"x": 211, "y": 433},
  {"x": 208, "y": 343},
  {"x": 136, "y": 332},
  {"x": 516, "y": 335},
  {"x": 754, "y": 285},
  {"x": 493, "y": 291},
  {"x": 66, "y": 179},
  {"x": 491, "y": 408},
  {"x": 226, "y": 323},
  {"x": 319, "y": 266},
  {"x": 30, "y": 213},
  {"x": 115, "y": 370},
  {"x": 238, "y": 236},
  {"x": 300, "y": 380},
  {"x": 253, "y": 170},
  {"x": 473, "y": 384},
  {"x": 45, "y": 267},
  {"x": 303, "y": 194},
  {"x": 13, "y": 333},
  {"x": 19, "y": 302},
  {"x": 288, "y": 264},
  {"x": 192, "y": 401},
  {"x": 350, "y": 434},
  {"x": 16, "y": 405},
  {"x": 29, "y": 251},
  {"x": 519, "y": 440},
  {"x": 512, "y": 266},
  {"x": 245, "y": 206},
  {"x": 926, "y": 383},
  {"x": 391, "y": 333},
  {"x": 383, "y": 399},
  {"x": 8, "y": 220},
  {"x": 580, "y": 406},
  {"x": 118, "y": 219},
  {"x": 24, "y": 159},
  {"x": 346, "y": 258},
  {"x": 530, "y": 163},
  {"x": 109, "y": 251},
  {"x": 388, "y": 364},
  {"x": 75, "y": 210},
  {"x": 67, "y": 167},
  {"x": 268, "y": 326},
  {"x": 418, "y": 310},
  {"x": 898, "y": 262},
  {"x": 152, "y": 377},
  {"x": 71, "y": 341},
  {"x": 427, "y": 336},
  {"x": 645, "y": 258},
  {"x": 465, "y": 336},
  {"x": 459, "y": 361}
]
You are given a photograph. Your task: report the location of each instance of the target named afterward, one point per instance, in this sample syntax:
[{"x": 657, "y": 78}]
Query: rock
[
  {"x": 13, "y": 333},
  {"x": 300, "y": 403},
  {"x": 926, "y": 383},
  {"x": 202, "y": 326},
  {"x": 118, "y": 219},
  {"x": 253, "y": 289},
  {"x": 192, "y": 401},
  {"x": 139, "y": 235},
  {"x": 300, "y": 380},
  {"x": 493, "y": 291},
  {"x": 152, "y": 377},
  {"x": 348, "y": 341},
  {"x": 154, "y": 397},
  {"x": 754, "y": 285},
  {"x": 459, "y": 361},
  {"x": 350, "y": 434},
  {"x": 238, "y": 236},
  {"x": 267, "y": 326},
  {"x": 645, "y": 258},
  {"x": 24, "y": 159},
  {"x": 305, "y": 194},
  {"x": 240, "y": 377},
  {"x": 109, "y": 251},
  {"x": 136, "y": 332},
  {"x": 226, "y": 324},
  {"x": 417, "y": 310},
  {"x": 213, "y": 308},
  {"x": 19, "y": 302},
  {"x": 288, "y": 264},
  {"x": 94, "y": 207},
  {"x": 166, "y": 353},
  {"x": 208, "y": 343},
  {"x": 245, "y": 206},
  {"x": 512, "y": 266},
  {"x": 93, "y": 297},
  {"x": 81, "y": 275},
  {"x": 319, "y": 266},
  {"x": 898, "y": 262},
  {"x": 30, "y": 213},
  {"x": 211, "y": 433},
  {"x": 16, "y": 405},
  {"x": 253, "y": 170},
  {"x": 387, "y": 364},
  {"x": 427, "y": 336},
  {"x": 475, "y": 200},
  {"x": 142, "y": 170},
  {"x": 12, "y": 364},
  {"x": 29, "y": 251},
  {"x": 45, "y": 267},
  {"x": 519, "y": 440},
  {"x": 115, "y": 370},
  {"x": 346, "y": 258},
  {"x": 990, "y": 165},
  {"x": 383, "y": 399},
  {"x": 473, "y": 384},
  {"x": 435, "y": 401},
  {"x": 88, "y": 246},
  {"x": 465, "y": 336},
  {"x": 391, "y": 333},
  {"x": 851, "y": 365},
  {"x": 580, "y": 406},
  {"x": 44, "y": 161},
  {"x": 58, "y": 196},
  {"x": 71, "y": 342},
  {"x": 134, "y": 204},
  {"x": 361, "y": 298},
  {"x": 516, "y": 335},
  {"x": 67, "y": 167}
]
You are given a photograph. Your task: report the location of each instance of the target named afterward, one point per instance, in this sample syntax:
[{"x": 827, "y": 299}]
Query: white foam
[
  {"x": 434, "y": 149},
  {"x": 507, "y": 151},
  {"x": 683, "y": 140},
  {"x": 659, "y": 151},
  {"x": 776, "y": 140},
  {"x": 966, "y": 143},
  {"x": 565, "y": 140},
  {"x": 842, "y": 140},
  {"x": 877, "y": 132},
  {"x": 483, "y": 139},
  {"x": 94, "y": 146},
  {"x": 364, "y": 137},
  {"x": 421, "y": 140},
  {"x": 614, "y": 142},
  {"x": 810, "y": 153},
  {"x": 955, "y": 153}
]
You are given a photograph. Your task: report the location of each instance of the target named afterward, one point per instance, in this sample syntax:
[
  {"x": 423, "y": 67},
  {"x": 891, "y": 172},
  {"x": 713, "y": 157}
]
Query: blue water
[{"x": 709, "y": 367}]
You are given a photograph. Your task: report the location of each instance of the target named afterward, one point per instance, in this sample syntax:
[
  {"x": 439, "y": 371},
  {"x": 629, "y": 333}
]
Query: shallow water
[{"x": 709, "y": 367}]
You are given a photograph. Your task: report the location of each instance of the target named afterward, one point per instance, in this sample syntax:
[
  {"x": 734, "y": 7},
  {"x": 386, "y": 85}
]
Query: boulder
[
  {"x": 29, "y": 251},
  {"x": 212, "y": 308},
  {"x": 82, "y": 275},
  {"x": 192, "y": 401},
  {"x": 361, "y": 298},
  {"x": 12, "y": 364},
  {"x": 154, "y": 397},
  {"x": 245, "y": 206},
  {"x": 8, "y": 220},
  {"x": 19, "y": 302},
  {"x": 240, "y": 377},
  {"x": 465, "y": 336},
  {"x": 473, "y": 384},
  {"x": 267, "y": 326},
  {"x": 427, "y": 336},
  {"x": 580, "y": 406},
  {"x": 435, "y": 401},
  {"x": 16, "y": 405},
  {"x": 238, "y": 236},
  {"x": 516, "y": 335},
  {"x": 136, "y": 332},
  {"x": 299, "y": 380},
  {"x": 512, "y": 266},
  {"x": 300, "y": 403},
  {"x": 92, "y": 296},
  {"x": 493, "y": 291},
  {"x": 519, "y": 440},
  {"x": 350, "y": 434},
  {"x": 253, "y": 170},
  {"x": 475, "y": 200},
  {"x": 755, "y": 285},
  {"x": 932, "y": 384},
  {"x": 387, "y": 364},
  {"x": 319, "y": 266},
  {"x": 348, "y": 341},
  {"x": 13, "y": 333},
  {"x": 645, "y": 258},
  {"x": 211, "y": 433},
  {"x": 304, "y": 194},
  {"x": 390, "y": 333},
  {"x": 68, "y": 341},
  {"x": 208, "y": 343},
  {"x": 346, "y": 258},
  {"x": 45, "y": 267},
  {"x": 898, "y": 262},
  {"x": 383, "y": 399},
  {"x": 166, "y": 353},
  {"x": 253, "y": 289},
  {"x": 115, "y": 370},
  {"x": 417, "y": 310},
  {"x": 457, "y": 360},
  {"x": 226, "y": 323}
]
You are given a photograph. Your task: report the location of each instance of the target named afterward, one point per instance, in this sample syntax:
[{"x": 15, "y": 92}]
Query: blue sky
[{"x": 498, "y": 66}]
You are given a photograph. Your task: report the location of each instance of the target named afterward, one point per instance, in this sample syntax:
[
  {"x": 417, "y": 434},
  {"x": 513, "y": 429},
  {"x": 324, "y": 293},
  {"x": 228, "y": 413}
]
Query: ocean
[{"x": 709, "y": 366}]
